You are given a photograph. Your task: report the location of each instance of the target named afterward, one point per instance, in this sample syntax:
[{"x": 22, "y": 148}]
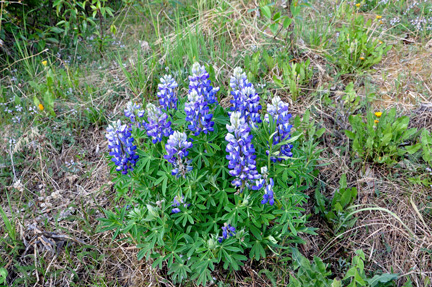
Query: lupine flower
[
  {"x": 245, "y": 98},
  {"x": 166, "y": 94},
  {"x": 177, "y": 201},
  {"x": 120, "y": 142},
  {"x": 241, "y": 152},
  {"x": 278, "y": 110},
  {"x": 199, "y": 81},
  {"x": 132, "y": 110},
  {"x": 269, "y": 195},
  {"x": 176, "y": 148},
  {"x": 158, "y": 124},
  {"x": 227, "y": 230},
  {"x": 198, "y": 114}
]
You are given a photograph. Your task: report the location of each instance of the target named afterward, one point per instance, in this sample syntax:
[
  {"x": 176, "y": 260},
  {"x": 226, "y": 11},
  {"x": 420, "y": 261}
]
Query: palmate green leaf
[
  {"x": 179, "y": 271},
  {"x": 146, "y": 249},
  {"x": 257, "y": 251}
]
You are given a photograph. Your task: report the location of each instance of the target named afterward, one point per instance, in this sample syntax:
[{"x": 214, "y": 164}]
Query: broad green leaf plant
[{"x": 383, "y": 137}]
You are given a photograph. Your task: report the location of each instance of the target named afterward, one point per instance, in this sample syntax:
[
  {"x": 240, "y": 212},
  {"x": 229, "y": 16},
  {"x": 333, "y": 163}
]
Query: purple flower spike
[
  {"x": 278, "y": 110},
  {"x": 269, "y": 195},
  {"x": 198, "y": 114},
  {"x": 245, "y": 98},
  {"x": 122, "y": 149},
  {"x": 199, "y": 81},
  {"x": 158, "y": 124},
  {"x": 241, "y": 151},
  {"x": 167, "y": 96},
  {"x": 227, "y": 230},
  {"x": 177, "y": 149}
]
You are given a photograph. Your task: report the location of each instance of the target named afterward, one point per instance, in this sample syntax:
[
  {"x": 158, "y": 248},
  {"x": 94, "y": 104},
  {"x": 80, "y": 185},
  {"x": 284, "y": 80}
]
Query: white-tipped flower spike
[
  {"x": 167, "y": 96},
  {"x": 177, "y": 149},
  {"x": 245, "y": 98},
  {"x": 241, "y": 152},
  {"x": 199, "y": 81},
  {"x": 158, "y": 124},
  {"x": 198, "y": 114},
  {"x": 132, "y": 111}
]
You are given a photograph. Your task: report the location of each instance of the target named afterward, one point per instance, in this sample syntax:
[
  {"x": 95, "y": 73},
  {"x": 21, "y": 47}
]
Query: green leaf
[
  {"x": 287, "y": 22},
  {"x": 257, "y": 251},
  {"x": 277, "y": 81},
  {"x": 383, "y": 278},
  {"x": 265, "y": 10},
  {"x": 413, "y": 148},
  {"x": 274, "y": 28}
]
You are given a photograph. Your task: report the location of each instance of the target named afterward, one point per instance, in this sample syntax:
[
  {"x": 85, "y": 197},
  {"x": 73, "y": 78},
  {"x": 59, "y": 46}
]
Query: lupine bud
[
  {"x": 278, "y": 110},
  {"x": 158, "y": 124},
  {"x": 269, "y": 195},
  {"x": 176, "y": 148},
  {"x": 166, "y": 94},
  {"x": 227, "y": 230},
  {"x": 132, "y": 111},
  {"x": 120, "y": 142},
  {"x": 199, "y": 81},
  {"x": 177, "y": 201}
]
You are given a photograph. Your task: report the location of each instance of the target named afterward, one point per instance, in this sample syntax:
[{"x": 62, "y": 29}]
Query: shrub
[{"x": 205, "y": 186}]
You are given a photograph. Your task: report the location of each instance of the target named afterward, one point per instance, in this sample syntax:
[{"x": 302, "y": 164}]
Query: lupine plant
[{"x": 206, "y": 192}]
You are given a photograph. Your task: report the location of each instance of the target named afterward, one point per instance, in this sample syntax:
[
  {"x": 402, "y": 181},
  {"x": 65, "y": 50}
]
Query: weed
[
  {"x": 336, "y": 210},
  {"x": 384, "y": 138},
  {"x": 356, "y": 50}
]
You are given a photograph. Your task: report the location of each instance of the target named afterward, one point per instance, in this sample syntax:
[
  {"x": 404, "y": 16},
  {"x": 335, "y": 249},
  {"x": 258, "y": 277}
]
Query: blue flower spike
[
  {"x": 199, "y": 81},
  {"x": 158, "y": 125},
  {"x": 167, "y": 95},
  {"x": 122, "y": 149},
  {"x": 241, "y": 152},
  {"x": 278, "y": 110},
  {"x": 198, "y": 114},
  {"x": 177, "y": 148},
  {"x": 245, "y": 99}
]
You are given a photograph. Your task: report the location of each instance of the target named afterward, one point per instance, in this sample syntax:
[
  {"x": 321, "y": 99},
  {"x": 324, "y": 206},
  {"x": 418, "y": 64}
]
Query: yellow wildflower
[
  {"x": 378, "y": 114},
  {"x": 362, "y": 58},
  {"x": 378, "y": 17},
  {"x": 45, "y": 63},
  {"x": 41, "y": 107},
  {"x": 358, "y": 5},
  {"x": 376, "y": 121}
]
